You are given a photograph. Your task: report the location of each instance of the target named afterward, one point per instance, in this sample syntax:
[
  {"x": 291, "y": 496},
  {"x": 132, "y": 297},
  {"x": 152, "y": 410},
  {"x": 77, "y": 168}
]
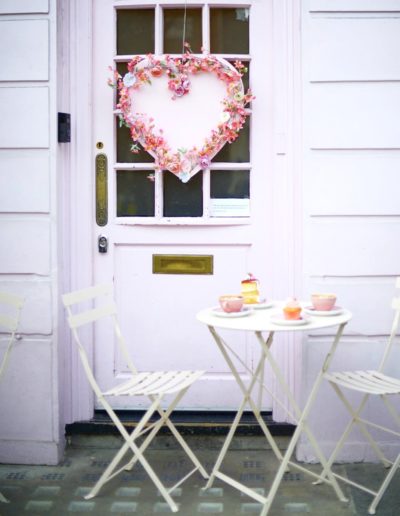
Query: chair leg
[
  {"x": 3, "y": 499},
  {"x": 385, "y": 483},
  {"x": 129, "y": 438},
  {"x": 355, "y": 420},
  {"x": 164, "y": 414}
]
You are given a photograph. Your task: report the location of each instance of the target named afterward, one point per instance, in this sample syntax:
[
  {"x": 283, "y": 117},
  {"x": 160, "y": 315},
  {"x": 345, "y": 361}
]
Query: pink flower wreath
[{"x": 185, "y": 162}]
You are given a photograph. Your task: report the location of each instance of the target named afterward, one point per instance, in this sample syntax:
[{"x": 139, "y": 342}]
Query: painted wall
[
  {"x": 351, "y": 134},
  {"x": 29, "y": 261},
  {"x": 350, "y": 161}
]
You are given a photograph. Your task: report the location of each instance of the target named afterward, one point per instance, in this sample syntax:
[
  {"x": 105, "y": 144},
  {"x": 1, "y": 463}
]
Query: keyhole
[{"x": 99, "y": 145}]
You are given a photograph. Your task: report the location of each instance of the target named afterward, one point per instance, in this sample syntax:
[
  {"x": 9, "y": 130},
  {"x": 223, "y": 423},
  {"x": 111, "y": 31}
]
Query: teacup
[
  {"x": 323, "y": 302},
  {"x": 231, "y": 303}
]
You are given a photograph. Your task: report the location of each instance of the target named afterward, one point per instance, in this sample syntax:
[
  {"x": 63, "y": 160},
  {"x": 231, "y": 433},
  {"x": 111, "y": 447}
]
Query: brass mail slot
[
  {"x": 101, "y": 190},
  {"x": 182, "y": 264}
]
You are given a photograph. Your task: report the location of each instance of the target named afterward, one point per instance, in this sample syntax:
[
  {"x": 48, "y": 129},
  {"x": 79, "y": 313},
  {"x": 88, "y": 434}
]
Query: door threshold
[{"x": 189, "y": 422}]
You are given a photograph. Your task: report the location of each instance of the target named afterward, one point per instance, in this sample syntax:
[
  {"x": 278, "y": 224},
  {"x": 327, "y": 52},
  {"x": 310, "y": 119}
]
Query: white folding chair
[
  {"x": 10, "y": 310},
  {"x": 369, "y": 383},
  {"x": 154, "y": 385}
]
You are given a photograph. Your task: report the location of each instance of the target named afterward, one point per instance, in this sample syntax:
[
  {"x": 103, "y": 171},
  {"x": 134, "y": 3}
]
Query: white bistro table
[{"x": 269, "y": 321}]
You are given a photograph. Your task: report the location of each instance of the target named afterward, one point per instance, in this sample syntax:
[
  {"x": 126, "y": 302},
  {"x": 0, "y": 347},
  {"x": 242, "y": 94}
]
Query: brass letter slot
[
  {"x": 182, "y": 264},
  {"x": 101, "y": 190}
]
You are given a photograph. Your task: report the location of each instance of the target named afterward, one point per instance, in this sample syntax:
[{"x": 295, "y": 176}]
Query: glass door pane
[
  {"x": 179, "y": 28},
  {"x": 135, "y": 194},
  {"x": 183, "y": 199},
  {"x": 135, "y": 31},
  {"x": 229, "y": 30}
]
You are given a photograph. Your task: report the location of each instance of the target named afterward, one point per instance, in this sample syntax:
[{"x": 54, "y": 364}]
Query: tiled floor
[{"x": 58, "y": 490}]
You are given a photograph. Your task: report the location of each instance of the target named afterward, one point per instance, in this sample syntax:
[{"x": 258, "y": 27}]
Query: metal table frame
[{"x": 259, "y": 322}]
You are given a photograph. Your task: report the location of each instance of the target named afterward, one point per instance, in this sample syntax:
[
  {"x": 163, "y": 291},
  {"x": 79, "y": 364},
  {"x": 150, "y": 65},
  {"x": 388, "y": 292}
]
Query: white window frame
[{"x": 206, "y": 219}]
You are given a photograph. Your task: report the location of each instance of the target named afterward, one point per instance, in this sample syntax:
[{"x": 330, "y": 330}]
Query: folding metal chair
[
  {"x": 154, "y": 385},
  {"x": 369, "y": 383},
  {"x": 10, "y": 310}
]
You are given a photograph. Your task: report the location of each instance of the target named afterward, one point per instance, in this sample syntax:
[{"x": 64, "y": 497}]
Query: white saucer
[
  {"x": 336, "y": 310},
  {"x": 259, "y": 306},
  {"x": 220, "y": 313},
  {"x": 278, "y": 318}
]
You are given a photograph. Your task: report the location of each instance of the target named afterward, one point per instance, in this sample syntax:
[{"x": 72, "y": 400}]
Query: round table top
[{"x": 271, "y": 319}]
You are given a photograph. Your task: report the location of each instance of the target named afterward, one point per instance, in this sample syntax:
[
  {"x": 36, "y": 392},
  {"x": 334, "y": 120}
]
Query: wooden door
[{"x": 221, "y": 216}]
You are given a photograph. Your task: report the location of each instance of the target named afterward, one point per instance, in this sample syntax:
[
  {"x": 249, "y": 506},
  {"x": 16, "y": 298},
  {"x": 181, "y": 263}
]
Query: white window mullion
[
  {"x": 206, "y": 193},
  {"x": 158, "y": 194},
  {"x": 206, "y": 27},
  {"x": 158, "y": 30}
]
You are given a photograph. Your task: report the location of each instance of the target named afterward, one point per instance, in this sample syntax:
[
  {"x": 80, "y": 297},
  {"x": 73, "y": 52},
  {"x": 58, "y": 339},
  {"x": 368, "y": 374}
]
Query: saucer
[
  {"x": 336, "y": 310},
  {"x": 279, "y": 319},
  {"x": 220, "y": 313},
  {"x": 259, "y": 306}
]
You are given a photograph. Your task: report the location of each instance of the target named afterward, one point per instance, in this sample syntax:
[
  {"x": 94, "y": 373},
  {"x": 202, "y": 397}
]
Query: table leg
[
  {"x": 246, "y": 399},
  {"x": 239, "y": 381},
  {"x": 301, "y": 424}
]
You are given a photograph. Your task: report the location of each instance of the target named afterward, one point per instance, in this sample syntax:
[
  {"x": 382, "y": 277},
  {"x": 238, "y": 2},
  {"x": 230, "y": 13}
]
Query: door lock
[{"x": 102, "y": 243}]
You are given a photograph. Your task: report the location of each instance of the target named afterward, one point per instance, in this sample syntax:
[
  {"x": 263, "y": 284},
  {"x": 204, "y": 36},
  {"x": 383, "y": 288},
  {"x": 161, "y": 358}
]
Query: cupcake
[{"x": 292, "y": 309}]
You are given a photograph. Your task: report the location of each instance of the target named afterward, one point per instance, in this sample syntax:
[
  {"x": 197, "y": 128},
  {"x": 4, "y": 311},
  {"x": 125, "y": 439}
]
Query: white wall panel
[
  {"x": 353, "y": 247},
  {"x": 352, "y": 183},
  {"x": 24, "y": 6},
  {"x": 354, "y": 5},
  {"x": 36, "y": 316},
  {"x": 24, "y": 117},
  {"x": 29, "y": 60},
  {"x": 24, "y": 181},
  {"x": 24, "y": 416},
  {"x": 367, "y": 298},
  {"x": 350, "y": 115},
  {"x": 360, "y": 53},
  {"x": 25, "y": 246}
]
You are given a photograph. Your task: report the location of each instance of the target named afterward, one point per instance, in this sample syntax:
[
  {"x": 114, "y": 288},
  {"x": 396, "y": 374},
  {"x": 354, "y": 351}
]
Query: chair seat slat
[
  {"x": 356, "y": 381},
  {"x": 156, "y": 384},
  {"x": 169, "y": 383},
  {"x": 153, "y": 383},
  {"x": 124, "y": 386},
  {"x": 188, "y": 381}
]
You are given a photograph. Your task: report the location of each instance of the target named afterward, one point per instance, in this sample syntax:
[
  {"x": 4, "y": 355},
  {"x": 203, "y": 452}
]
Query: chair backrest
[
  {"x": 10, "y": 311},
  {"x": 394, "y": 329},
  {"x": 105, "y": 307}
]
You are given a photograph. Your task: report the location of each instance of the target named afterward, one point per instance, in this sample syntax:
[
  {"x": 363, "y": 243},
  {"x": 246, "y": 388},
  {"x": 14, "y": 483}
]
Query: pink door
[{"x": 173, "y": 247}]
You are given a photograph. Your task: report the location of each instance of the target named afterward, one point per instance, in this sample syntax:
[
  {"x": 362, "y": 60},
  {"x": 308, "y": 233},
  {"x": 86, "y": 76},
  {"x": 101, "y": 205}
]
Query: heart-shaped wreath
[{"x": 179, "y": 75}]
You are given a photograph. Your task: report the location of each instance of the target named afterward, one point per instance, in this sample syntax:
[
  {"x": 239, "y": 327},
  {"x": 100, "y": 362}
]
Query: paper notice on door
[{"x": 229, "y": 207}]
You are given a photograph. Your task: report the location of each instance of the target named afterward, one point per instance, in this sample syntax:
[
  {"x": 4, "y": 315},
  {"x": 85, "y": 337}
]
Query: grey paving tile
[
  {"x": 210, "y": 508},
  {"x": 124, "y": 507},
  {"x": 162, "y": 507},
  {"x": 47, "y": 491},
  {"x": 39, "y": 506},
  {"x": 128, "y": 491},
  {"x": 81, "y": 507}
]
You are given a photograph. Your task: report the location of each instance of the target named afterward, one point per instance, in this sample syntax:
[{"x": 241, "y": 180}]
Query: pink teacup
[
  {"x": 323, "y": 302},
  {"x": 231, "y": 303}
]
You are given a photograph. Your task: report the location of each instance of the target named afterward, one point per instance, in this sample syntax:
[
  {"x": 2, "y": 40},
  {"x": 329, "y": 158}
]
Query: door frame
[{"x": 78, "y": 195}]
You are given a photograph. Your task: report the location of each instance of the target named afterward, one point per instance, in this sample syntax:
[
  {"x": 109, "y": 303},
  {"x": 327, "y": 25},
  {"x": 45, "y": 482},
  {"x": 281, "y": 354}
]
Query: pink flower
[{"x": 204, "y": 161}]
